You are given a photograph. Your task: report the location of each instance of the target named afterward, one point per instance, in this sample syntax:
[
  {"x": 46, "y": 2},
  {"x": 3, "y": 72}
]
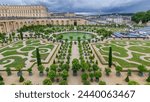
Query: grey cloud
[{"x": 87, "y": 5}]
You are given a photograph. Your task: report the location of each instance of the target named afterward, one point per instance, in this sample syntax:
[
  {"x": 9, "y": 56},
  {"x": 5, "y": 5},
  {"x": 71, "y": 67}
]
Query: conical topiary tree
[
  {"x": 21, "y": 35},
  {"x": 148, "y": 79},
  {"x": 38, "y": 57},
  {"x": 127, "y": 79},
  {"x": 21, "y": 79},
  {"x": 1, "y": 78},
  {"x": 110, "y": 57}
]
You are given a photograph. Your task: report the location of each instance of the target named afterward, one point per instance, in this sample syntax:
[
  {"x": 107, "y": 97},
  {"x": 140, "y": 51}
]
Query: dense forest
[{"x": 141, "y": 16}]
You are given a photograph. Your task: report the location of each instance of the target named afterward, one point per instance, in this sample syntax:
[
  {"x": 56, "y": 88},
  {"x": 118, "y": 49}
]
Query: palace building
[
  {"x": 15, "y": 17},
  {"x": 23, "y": 11}
]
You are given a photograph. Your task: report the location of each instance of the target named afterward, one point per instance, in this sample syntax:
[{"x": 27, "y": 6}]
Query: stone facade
[
  {"x": 14, "y": 17},
  {"x": 7, "y": 26},
  {"x": 23, "y": 11}
]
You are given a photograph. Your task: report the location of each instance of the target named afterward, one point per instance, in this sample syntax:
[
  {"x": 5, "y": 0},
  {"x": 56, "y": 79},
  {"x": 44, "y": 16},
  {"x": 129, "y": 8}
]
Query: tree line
[{"x": 141, "y": 16}]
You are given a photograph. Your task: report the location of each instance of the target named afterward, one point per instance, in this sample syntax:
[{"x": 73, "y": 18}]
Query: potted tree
[
  {"x": 53, "y": 67},
  {"x": 47, "y": 70},
  {"x": 84, "y": 76},
  {"x": 95, "y": 67},
  {"x": 129, "y": 72},
  {"x": 75, "y": 66},
  {"x": 86, "y": 82},
  {"x": 64, "y": 75},
  {"x": 28, "y": 82},
  {"x": 30, "y": 71},
  {"x": 97, "y": 74},
  {"x": 52, "y": 75},
  {"x": 102, "y": 83},
  {"x": 41, "y": 70},
  {"x": 141, "y": 69},
  {"x": 91, "y": 76},
  {"x": 107, "y": 71},
  {"x": 19, "y": 73},
  {"x": 8, "y": 70},
  {"x": 131, "y": 82},
  {"x": 47, "y": 81},
  {"x": 63, "y": 82},
  {"x": 65, "y": 67},
  {"x": 118, "y": 70}
]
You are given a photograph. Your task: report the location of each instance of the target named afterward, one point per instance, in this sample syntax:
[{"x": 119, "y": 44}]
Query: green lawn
[
  {"x": 136, "y": 58},
  {"x": 76, "y": 35},
  {"x": 14, "y": 47},
  {"x": 14, "y": 52},
  {"x": 141, "y": 49},
  {"x": 27, "y": 48},
  {"x": 17, "y": 63}
]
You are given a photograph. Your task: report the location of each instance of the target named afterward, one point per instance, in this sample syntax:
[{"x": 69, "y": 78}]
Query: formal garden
[
  {"x": 22, "y": 54},
  {"x": 127, "y": 53},
  {"x": 63, "y": 55}
]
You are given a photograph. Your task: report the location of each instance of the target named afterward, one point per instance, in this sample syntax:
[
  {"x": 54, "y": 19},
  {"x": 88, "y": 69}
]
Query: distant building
[
  {"x": 118, "y": 19},
  {"x": 64, "y": 14},
  {"x": 68, "y": 14},
  {"x": 148, "y": 23}
]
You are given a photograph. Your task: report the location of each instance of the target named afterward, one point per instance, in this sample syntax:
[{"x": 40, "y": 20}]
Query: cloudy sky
[{"x": 103, "y": 6}]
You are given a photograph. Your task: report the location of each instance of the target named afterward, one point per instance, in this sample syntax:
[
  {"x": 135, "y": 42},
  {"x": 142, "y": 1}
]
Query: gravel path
[{"x": 74, "y": 80}]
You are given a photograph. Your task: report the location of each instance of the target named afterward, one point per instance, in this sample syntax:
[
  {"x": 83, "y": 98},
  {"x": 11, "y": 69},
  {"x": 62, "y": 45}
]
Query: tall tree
[
  {"x": 110, "y": 57},
  {"x": 38, "y": 57},
  {"x": 21, "y": 35}
]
